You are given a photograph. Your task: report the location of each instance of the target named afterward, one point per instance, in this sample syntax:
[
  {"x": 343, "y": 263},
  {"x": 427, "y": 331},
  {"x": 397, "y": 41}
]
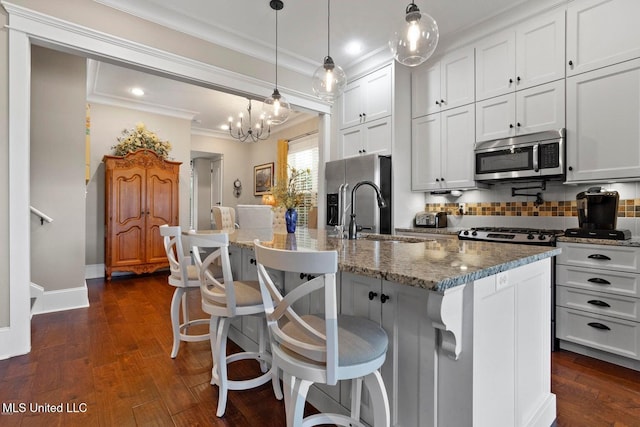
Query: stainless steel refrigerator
[{"x": 341, "y": 176}]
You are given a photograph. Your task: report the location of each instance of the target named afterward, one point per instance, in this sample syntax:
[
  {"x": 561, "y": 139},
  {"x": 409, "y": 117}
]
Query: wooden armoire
[{"x": 141, "y": 194}]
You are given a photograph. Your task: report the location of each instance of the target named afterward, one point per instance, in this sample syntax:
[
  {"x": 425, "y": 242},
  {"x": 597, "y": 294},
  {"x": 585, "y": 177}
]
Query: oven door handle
[{"x": 535, "y": 158}]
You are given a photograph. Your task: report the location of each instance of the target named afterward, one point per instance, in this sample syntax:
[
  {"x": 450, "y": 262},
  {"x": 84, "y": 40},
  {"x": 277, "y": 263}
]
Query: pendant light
[
  {"x": 329, "y": 79},
  {"x": 276, "y": 108},
  {"x": 417, "y": 39}
]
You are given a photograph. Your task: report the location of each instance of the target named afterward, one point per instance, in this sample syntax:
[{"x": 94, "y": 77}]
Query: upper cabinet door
[
  {"x": 457, "y": 79},
  {"x": 352, "y": 104},
  {"x": 495, "y": 65},
  {"x": 540, "y": 50},
  {"x": 601, "y": 33},
  {"x": 425, "y": 90},
  {"x": 496, "y": 117},
  {"x": 378, "y": 100}
]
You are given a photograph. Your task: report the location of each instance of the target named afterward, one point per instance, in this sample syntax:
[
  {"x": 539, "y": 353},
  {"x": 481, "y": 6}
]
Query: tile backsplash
[
  {"x": 558, "y": 210},
  {"x": 627, "y": 208}
]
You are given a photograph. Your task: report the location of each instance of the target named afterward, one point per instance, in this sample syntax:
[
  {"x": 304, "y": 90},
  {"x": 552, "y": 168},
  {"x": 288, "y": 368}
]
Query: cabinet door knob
[
  {"x": 437, "y": 102},
  {"x": 571, "y": 63},
  {"x": 437, "y": 179},
  {"x": 372, "y": 295},
  {"x": 510, "y": 81},
  {"x": 570, "y": 168},
  {"x": 442, "y": 179},
  {"x": 518, "y": 79},
  {"x": 510, "y": 125},
  {"x": 252, "y": 261},
  {"x": 518, "y": 124},
  {"x": 384, "y": 298},
  {"x": 442, "y": 101}
]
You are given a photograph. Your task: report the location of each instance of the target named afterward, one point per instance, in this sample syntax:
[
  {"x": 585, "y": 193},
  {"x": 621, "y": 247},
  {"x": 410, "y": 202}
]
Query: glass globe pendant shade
[
  {"x": 329, "y": 80},
  {"x": 276, "y": 109},
  {"x": 416, "y": 41}
]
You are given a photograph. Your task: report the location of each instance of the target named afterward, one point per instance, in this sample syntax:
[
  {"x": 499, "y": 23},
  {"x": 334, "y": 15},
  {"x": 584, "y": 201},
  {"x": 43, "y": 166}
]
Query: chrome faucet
[{"x": 353, "y": 226}]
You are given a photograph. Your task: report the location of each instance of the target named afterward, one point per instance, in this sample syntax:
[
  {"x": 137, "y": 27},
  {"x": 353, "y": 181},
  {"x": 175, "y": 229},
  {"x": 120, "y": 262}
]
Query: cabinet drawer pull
[
  {"x": 599, "y": 326},
  {"x": 599, "y": 257},
  {"x": 598, "y": 303},
  {"x": 599, "y": 281}
]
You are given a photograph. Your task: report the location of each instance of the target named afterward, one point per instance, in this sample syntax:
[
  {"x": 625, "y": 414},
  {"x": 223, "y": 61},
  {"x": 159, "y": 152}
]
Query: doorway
[{"x": 206, "y": 190}]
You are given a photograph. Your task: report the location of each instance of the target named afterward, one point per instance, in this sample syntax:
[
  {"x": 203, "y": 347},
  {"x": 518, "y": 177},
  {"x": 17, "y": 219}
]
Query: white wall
[{"x": 57, "y": 169}]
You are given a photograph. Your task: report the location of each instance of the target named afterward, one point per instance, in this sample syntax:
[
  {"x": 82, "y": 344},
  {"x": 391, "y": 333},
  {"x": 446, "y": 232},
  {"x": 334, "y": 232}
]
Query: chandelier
[
  {"x": 416, "y": 41},
  {"x": 247, "y": 131}
]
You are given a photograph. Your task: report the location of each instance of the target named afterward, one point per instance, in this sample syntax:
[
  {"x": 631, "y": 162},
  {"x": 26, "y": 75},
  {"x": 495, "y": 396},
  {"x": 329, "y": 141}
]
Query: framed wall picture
[{"x": 262, "y": 179}]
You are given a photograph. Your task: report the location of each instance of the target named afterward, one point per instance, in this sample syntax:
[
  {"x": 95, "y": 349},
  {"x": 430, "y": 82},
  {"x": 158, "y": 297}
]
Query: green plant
[
  {"x": 140, "y": 138},
  {"x": 287, "y": 192}
]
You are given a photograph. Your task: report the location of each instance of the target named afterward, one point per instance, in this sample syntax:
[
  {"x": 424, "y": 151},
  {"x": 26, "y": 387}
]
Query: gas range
[{"x": 523, "y": 236}]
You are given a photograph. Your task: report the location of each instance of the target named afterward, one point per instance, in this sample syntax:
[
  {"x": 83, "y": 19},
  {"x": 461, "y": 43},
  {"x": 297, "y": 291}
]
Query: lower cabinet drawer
[
  {"x": 598, "y": 303},
  {"x": 627, "y": 284},
  {"x": 601, "y": 332},
  {"x": 615, "y": 258}
]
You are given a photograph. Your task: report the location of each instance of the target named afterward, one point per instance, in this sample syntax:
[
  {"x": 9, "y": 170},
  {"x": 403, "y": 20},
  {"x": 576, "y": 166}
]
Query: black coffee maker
[{"x": 598, "y": 215}]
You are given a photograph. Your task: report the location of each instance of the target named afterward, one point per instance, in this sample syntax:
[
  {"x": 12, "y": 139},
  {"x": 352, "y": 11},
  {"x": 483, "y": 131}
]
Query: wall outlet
[{"x": 462, "y": 208}]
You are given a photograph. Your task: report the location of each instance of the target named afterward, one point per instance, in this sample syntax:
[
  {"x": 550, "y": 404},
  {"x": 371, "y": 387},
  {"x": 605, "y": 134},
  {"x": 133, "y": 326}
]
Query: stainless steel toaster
[{"x": 431, "y": 219}]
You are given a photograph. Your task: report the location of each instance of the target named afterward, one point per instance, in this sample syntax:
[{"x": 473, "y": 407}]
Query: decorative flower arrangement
[
  {"x": 138, "y": 138},
  {"x": 286, "y": 192}
]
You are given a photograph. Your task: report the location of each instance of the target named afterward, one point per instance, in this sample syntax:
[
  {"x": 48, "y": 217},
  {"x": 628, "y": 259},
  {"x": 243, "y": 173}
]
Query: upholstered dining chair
[
  {"x": 184, "y": 276},
  {"x": 225, "y": 299},
  {"x": 320, "y": 348},
  {"x": 224, "y": 217}
]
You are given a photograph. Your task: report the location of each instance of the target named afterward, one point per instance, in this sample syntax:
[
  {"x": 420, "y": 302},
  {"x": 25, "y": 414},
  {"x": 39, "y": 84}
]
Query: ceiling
[{"x": 302, "y": 43}]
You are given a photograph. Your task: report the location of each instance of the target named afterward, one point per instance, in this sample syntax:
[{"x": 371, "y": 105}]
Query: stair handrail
[{"x": 43, "y": 217}]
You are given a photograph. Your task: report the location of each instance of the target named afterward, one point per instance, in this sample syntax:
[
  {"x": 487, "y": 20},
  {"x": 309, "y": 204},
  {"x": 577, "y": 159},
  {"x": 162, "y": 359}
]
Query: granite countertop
[
  {"x": 426, "y": 263},
  {"x": 633, "y": 242}
]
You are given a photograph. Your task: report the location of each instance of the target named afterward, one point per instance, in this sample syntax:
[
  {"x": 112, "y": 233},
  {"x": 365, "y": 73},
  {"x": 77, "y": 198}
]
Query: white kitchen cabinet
[
  {"x": 408, "y": 371},
  {"x": 442, "y": 150},
  {"x": 536, "y": 109},
  {"x": 368, "y": 138},
  {"x": 528, "y": 55},
  {"x": 598, "y": 301},
  {"x": 445, "y": 84},
  {"x": 367, "y": 98},
  {"x": 601, "y": 33},
  {"x": 603, "y": 124}
]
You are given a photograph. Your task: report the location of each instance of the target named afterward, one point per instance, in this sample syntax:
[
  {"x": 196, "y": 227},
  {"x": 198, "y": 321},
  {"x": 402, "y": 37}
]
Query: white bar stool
[
  {"x": 224, "y": 300},
  {"x": 320, "y": 348},
  {"x": 184, "y": 276}
]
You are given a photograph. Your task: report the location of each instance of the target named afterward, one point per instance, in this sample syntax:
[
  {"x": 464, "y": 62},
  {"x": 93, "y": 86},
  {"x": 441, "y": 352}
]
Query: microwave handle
[{"x": 535, "y": 158}]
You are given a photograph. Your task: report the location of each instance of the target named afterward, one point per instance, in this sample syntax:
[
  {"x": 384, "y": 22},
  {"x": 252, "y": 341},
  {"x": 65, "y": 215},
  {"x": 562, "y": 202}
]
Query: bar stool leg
[
  {"x": 379, "y": 402},
  {"x": 175, "y": 320}
]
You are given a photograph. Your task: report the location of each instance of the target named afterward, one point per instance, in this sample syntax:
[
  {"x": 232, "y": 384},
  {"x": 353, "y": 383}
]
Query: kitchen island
[{"x": 468, "y": 323}]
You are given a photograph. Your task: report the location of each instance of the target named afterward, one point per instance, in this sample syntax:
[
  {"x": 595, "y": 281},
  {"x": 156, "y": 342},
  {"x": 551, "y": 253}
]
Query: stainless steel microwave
[{"x": 535, "y": 155}]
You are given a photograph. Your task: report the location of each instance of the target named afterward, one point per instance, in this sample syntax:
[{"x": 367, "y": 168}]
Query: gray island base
[{"x": 468, "y": 324}]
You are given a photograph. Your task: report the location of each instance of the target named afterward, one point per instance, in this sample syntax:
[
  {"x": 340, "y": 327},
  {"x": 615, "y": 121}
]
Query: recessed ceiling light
[
  {"x": 137, "y": 91},
  {"x": 353, "y": 48}
]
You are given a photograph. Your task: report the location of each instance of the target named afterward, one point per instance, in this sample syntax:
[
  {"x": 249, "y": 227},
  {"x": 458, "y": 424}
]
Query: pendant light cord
[
  {"x": 276, "y": 48},
  {"x": 328, "y": 26}
]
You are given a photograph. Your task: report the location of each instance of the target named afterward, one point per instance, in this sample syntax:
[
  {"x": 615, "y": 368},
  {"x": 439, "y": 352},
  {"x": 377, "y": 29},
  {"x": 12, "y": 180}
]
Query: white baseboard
[
  {"x": 94, "y": 271},
  {"x": 61, "y": 300}
]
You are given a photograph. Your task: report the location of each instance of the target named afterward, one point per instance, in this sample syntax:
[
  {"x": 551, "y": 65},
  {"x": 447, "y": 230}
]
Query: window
[{"x": 303, "y": 154}]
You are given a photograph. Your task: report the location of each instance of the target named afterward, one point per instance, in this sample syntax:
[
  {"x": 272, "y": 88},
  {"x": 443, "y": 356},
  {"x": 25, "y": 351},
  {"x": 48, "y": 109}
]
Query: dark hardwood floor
[{"x": 110, "y": 364}]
